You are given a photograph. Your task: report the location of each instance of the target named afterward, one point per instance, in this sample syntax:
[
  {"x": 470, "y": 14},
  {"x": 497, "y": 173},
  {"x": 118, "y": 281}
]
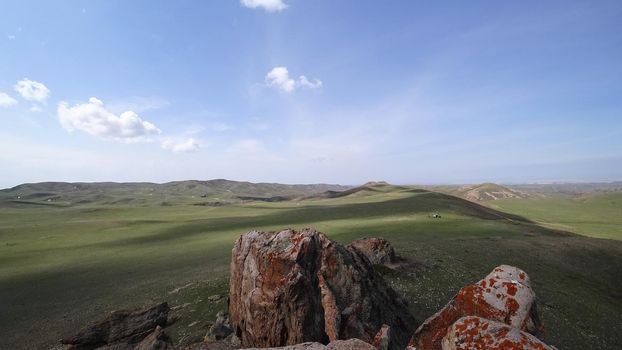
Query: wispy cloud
[
  {"x": 94, "y": 119},
  {"x": 268, "y": 5},
  {"x": 6, "y": 100},
  {"x": 176, "y": 145},
  {"x": 279, "y": 78},
  {"x": 138, "y": 104}
]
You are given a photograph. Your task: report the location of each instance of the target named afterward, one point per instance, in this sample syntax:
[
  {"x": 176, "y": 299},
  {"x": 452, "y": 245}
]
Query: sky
[{"x": 311, "y": 91}]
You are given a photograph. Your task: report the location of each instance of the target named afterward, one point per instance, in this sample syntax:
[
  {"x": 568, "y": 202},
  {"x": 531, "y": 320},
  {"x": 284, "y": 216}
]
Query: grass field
[
  {"x": 595, "y": 214},
  {"x": 61, "y": 267}
]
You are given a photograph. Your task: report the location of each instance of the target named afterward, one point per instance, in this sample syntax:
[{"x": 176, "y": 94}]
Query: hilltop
[{"x": 482, "y": 192}]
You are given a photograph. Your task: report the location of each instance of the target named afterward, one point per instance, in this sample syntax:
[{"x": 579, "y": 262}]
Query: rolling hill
[
  {"x": 482, "y": 192},
  {"x": 209, "y": 193}
]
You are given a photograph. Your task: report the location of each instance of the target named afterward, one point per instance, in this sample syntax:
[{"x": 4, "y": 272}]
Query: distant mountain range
[
  {"x": 209, "y": 193},
  {"x": 221, "y": 192}
]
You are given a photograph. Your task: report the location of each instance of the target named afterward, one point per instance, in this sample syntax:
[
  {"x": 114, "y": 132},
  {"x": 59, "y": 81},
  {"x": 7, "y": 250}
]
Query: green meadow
[
  {"x": 62, "y": 266},
  {"x": 595, "y": 214}
]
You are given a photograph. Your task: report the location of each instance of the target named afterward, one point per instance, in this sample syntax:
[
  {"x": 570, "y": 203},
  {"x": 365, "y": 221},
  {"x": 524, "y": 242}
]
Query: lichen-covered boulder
[
  {"x": 292, "y": 287},
  {"x": 474, "y": 332},
  {"x": 378, "y": 250},
  {"x": 505, "y": 295}
]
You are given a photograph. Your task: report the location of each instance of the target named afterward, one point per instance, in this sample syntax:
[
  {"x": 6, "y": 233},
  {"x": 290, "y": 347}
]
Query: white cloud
[
  {"x": 6, "y": 100},
  {"x": 96, "y": 120},
  {"x": 188, "y": 145},
  {"x": 268, "y": 5},
  {"x": 36, "y": 108},
  {"x": 279, "y": 78},
  {"x": 32, "y": 90},
  {"x": 303, "y": 81}
]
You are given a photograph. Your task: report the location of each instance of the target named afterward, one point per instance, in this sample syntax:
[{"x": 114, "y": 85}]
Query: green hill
[
  {"x": 597, "y": 214},
  {"x": 482, "y": 192}
]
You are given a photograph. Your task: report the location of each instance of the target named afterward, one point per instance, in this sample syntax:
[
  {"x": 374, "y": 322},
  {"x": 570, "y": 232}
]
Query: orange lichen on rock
[
  {"x": 505, "y": 295},
  {"x": 474, "y": 332}
]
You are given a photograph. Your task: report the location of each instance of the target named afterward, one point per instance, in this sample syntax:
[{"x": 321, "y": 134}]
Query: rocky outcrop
[
  {"x": 377, "y": 250},
  {"x": 120, "y": 328},
  {"x": 293, "y": 287},
  {"x": 221, "y": 328},
  {"x": 157, "y": 340},
  {"x": 505, "y": 296},
  {"x": 474, "y": 332}
]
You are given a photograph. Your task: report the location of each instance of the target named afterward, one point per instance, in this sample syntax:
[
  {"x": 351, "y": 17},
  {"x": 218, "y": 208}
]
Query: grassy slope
[
  {"x": 595, "y": 215},
  {"x": 61, "y": 267}
]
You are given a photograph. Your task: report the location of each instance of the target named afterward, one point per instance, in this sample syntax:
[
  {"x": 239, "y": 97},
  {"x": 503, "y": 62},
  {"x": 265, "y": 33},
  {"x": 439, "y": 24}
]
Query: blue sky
[{"x": 300, "y": 91}]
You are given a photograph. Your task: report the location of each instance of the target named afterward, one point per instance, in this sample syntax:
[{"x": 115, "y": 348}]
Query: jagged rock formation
[
  {"x": 505, "y": 296},
  {"x": 121, "y": 329},
  {"x": 474, "y": 332},
  {"x": 377, "y": 250},
  {"x": 293, "y": 287}
]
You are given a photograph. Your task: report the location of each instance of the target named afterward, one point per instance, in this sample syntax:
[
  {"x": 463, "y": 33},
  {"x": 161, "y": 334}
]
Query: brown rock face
[
  {"x": 293, "y": 287},
  {"x": 378, "y": 250},
  {"x": 474, "y": 332},
  {"x": 157, "y": 340},
  {"x": 382, "y": 338},
  {"x": 124, "y": 326},
  {"x": 505, "y": 295}
]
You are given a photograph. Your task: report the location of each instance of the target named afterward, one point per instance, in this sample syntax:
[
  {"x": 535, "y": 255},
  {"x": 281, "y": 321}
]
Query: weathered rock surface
[
  {"x": 221, "y": 328},
  {"x": 157, "y": 340},
  {"x": 349, "y": 344},
  {"x": 474, "y": 332},
  {"x": 293, "y": 287},
  {"x": 210, "y": 345},
  {"x": 382, "y": 338},
  {"x": 378, "y": 250},
  {"x": 120, "y": 327},
  {"x": 505, "y": 295},
  {"x": 301, "y": 346}
]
